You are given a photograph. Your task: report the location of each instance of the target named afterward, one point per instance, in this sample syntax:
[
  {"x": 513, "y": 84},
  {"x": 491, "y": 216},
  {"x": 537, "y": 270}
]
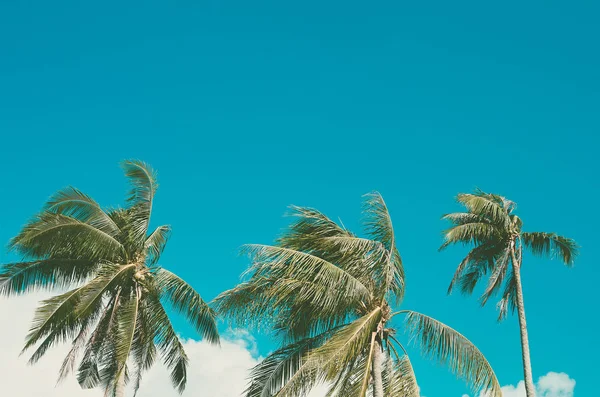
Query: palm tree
[
  {"x": 115, "y": 315},
  {"x": 330, "y": 296},
  {"x": 496, "y": 235}
]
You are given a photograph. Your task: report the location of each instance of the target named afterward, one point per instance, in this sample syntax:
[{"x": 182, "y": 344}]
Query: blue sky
[{"x": 245, "y": 108}]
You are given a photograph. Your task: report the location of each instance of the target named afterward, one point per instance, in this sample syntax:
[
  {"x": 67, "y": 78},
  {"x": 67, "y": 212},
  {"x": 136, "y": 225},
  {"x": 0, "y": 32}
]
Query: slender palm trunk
[
  {"x": 377, "y": 369},
  {"x": 527, "y": 372}
]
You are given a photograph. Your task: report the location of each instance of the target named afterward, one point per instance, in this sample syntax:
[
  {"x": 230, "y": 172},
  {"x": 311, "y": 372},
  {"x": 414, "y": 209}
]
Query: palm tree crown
[
  {"x": 495, "y": 233},
  {"x": 330, "y": 295},
  {"x": 114, "y": 317}
]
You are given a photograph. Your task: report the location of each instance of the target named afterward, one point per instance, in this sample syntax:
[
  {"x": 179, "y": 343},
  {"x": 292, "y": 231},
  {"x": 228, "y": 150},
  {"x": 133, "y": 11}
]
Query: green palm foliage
[
  {"x": 329, "y": 294},
  {"x": 114, "y": 317},
  {"x": 495, "y": 234}
]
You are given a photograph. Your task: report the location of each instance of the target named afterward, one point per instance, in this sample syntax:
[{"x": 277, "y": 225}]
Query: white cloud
[
  {"x": 553, "y": 384},
  {"x": 213, "y": 371}
]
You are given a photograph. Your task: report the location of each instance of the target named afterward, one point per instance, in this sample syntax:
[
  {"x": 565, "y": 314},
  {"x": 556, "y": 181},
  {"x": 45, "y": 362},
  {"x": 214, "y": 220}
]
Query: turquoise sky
[{"x": 247, "y": 107}]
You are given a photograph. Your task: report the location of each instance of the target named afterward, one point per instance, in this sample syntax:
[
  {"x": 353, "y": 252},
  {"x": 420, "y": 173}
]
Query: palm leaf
[
  {"x": 551, "y": 245},
  {"x": 457, "y": 352},
  {"x": 187, "y": 301}
]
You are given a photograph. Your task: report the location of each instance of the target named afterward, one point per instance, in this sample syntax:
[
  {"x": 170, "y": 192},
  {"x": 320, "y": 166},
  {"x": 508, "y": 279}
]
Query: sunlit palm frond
[
  {"x": 247, "y": 304},
  {"x": 437, "y": 340},
  {"x": 471, "y": 233},
  {"x": 346, "y": 344},
  {"x": 73, "y": 203},
  {"x": 379, "y": 227},
  {"x": 551, "y": 245},
  {"x": 128, "y": 326},
  {"x": 54, "y": 318},
  {"x": 187, "y": 301},
  {"x": 485, "y": 205},
  {"x": 500, "y": 269},
  {"x": 22, "y": 277},
  {"x": 156, "y": 242},
  {"x": 170, "y": 347},
  {"x": 473, "y": 266},
  {"x": 55, "y": 235},
  {"x": 463, "y": 218},
  {"x": 275, "y": 262},
  {"x": 508, "y": 303},
  {"x": 268, "y": 376},
  {"x": 143, "y": 181},
  {"x": 400, "y": 379}
]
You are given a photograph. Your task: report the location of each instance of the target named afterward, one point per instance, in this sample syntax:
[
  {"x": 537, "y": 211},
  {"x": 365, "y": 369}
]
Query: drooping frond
[
  {"x": 400, "y": 379},
  {"x": 156, "y": 242},
  {"x": 439, "y": 341},
  {"x": 344, "y": 345},
  {"x": 128, "y": 326},
  {"x": 54, "y": 317},
  {"x": 73, "y": 203},
  {"x": 475, "y": 265},
  {"x": 187, "y": 301},
  {"x": 509, "y": 296},
  {"x": 169, "y": 345},
  {"x": 268, "y": 376},
  {"x": 349, "y": 381},
  {"x": 99, "y": 344},
  {"x": 341, "y": 349},
  {"x": 551, "y": 245},
  {"x": 58, "y": 236},
  {"x": 21, "y": 277},
  {"x": 501, "y": 265},
  {"x": 144, "y": 350}
]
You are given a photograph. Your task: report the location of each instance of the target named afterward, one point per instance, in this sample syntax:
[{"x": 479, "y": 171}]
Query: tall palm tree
[
  {"x": 330, "y": 295},
  {"x": 497, "y": 238},
  {"x": 114, "y": 315}
]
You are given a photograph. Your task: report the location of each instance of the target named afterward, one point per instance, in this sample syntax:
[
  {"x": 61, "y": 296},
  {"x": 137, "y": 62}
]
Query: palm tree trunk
[
  {"x": 377, "y": 371},
  {"x": 527, "y": 372}
]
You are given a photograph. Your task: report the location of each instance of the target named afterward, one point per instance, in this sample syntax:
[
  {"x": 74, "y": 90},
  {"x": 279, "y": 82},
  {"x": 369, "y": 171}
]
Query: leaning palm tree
[
  {"x": 330, "y": 295},
  {"x": 114, "y": 316},
  {"x": 496, "y": 234}
]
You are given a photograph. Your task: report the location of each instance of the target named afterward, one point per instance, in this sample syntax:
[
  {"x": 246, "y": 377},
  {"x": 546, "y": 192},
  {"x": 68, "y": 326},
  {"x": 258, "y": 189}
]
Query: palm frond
[
  {"x": 471, "y": 233},
  {"x": 485, "y": 205},
  {"x": 268, "y": 376},
  {"x": 56, "y": 236},
  {"x": 344, "y": 345},
  {"x": 187, "y": 301},
  {"x": 475, "y": 265},
  {"x": 156, "y": 242},
  {"x": 75, "y": 204},
  {"x": 551, "y": 245},
  {"x": 497, "y": 277},
  {"x": 170, "y": 347},
  {"x": 378, "y": 224},
  {"x": 127, "y": 318},
  {"x": 143, "y": 181},
  {"x": 22, "y": 277},
  {"x": 437, "y": 340},
  {"x": 55, "y": 318},
  {"x": 276, "y": 262},
  {"x": 509, "y": 296},
  {"x": 400, "y": 379}
]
